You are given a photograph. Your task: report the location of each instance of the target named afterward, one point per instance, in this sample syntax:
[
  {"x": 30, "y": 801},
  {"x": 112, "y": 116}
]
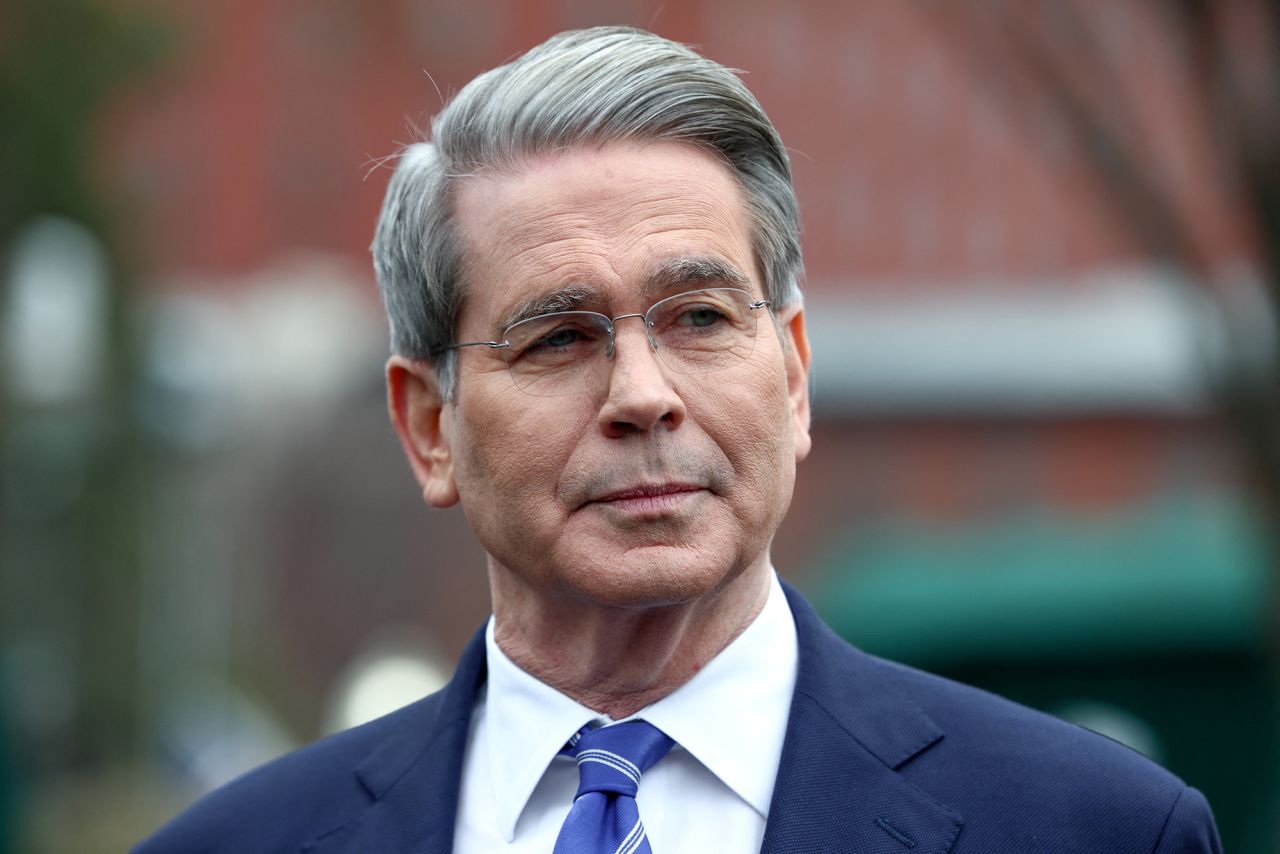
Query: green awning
[{"x": 1189, "y": 574}]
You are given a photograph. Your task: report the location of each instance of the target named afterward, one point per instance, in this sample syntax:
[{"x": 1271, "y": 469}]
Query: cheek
[
  {"x": 507, "y": 492},
  {"x": 516, "y": 460},
  {"x": 752, "y": 424}
]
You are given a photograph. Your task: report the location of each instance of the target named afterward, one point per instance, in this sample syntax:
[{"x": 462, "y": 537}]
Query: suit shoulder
[
  {"x": 1037, "y": 764},
  {"x": 1009, "y": 778},
  {"x": 1012, "y": 734},
  {"x": 290, "y": 799}
]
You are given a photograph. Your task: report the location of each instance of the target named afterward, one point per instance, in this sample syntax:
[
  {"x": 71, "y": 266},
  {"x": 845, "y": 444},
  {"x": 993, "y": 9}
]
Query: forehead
[{"x": 604, "y": 219}]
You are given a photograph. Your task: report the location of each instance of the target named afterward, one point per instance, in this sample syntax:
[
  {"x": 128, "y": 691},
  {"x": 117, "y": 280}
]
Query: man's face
[{"x": 650, "y": 486}]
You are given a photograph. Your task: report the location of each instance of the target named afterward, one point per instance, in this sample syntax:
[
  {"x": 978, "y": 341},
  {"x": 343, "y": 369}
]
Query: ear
[
  {"x": 417, "y": 412},
  {"x": 796, "y": 342}
]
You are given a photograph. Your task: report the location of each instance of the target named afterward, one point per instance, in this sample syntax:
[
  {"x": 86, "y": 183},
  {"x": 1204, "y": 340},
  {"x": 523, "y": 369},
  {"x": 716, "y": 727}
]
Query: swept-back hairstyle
[{"x": 584, "y": 87}]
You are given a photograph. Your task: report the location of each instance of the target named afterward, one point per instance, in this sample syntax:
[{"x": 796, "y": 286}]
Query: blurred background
[{"x": 1042, "y": 244}]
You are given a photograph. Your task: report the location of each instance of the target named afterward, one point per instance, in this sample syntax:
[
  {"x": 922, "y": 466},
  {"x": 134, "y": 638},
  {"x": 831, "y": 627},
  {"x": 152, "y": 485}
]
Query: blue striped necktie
[{"x": 604, "y": 818}]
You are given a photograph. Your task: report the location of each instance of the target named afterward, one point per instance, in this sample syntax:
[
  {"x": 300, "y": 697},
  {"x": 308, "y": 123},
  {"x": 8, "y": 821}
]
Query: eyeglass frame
[{"x": 752, "y": 305}]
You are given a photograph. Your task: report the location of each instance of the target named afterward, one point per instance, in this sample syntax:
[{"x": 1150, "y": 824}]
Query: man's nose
[{"x": 640, "y": 394}]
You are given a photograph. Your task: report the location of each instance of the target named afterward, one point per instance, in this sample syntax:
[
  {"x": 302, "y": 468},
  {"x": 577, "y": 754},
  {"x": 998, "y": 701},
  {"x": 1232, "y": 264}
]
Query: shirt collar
[
  {"x": 740, "y": 698},
  {"x": 528, "y": 722}
]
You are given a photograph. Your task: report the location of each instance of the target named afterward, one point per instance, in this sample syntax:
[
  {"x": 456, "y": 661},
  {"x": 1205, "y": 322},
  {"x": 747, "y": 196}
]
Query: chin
[{"x": 651, "y": 576}]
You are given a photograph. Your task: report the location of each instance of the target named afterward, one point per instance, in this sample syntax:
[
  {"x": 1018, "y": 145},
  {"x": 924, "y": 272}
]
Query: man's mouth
[
  {"x": 649, "y": 497},
  {"x": 648, "y": 491}
]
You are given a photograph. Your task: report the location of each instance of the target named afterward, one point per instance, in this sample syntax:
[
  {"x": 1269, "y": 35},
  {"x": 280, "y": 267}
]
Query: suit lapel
[
  {"x": 414, "y": 777},
  {"x": 849, "y": 731}
]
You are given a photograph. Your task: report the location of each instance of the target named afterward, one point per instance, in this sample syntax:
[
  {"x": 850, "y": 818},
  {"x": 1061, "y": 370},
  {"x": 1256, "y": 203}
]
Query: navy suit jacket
[{"x": 877, "y": 758}]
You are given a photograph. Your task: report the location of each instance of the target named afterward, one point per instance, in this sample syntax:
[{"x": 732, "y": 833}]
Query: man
[{"x": 599, "y": 351}]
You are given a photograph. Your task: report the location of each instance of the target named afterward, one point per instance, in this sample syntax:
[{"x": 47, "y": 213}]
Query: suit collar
[
  {"x": 851, "y": 729},
  {"x": 417, "y": 734},
  {"x": 859, "y": 691},
  {"x": 414, "y": 776}
]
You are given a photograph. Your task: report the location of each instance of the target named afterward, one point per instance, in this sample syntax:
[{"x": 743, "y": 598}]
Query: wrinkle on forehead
[{"x": 531, "y": 228}]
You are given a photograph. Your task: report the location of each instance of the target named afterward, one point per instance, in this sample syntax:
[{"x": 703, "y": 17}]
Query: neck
[{"x": 617, "y": 660}]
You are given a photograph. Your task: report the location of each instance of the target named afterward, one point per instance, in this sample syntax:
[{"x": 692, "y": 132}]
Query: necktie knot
[
  {"x": 604, "y": 818},
  {"x": 611, "y": 759}
]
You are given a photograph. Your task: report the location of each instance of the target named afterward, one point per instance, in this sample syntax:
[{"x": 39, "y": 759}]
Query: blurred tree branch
[{"x": 1228, "y": 68}]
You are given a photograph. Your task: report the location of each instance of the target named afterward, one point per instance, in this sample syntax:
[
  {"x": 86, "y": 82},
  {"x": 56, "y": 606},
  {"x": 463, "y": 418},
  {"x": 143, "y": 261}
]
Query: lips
[{"x": 656, "y": 490}]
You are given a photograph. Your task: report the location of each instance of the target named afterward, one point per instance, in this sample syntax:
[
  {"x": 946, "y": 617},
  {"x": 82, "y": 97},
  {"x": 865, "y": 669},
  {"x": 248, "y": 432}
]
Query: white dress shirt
[{"x": 710, "y": 793}]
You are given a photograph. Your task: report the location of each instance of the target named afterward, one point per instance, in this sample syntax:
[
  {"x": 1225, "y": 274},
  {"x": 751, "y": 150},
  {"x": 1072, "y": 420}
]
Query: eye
[
  {"x": 697, "y": 313},
  {"x": 700, "y": 316},
  {"x": 555, "y": 338},
  {"x": 565, "y": 336}
]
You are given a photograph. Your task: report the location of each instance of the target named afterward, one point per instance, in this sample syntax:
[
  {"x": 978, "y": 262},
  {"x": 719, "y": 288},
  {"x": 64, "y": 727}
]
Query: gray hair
[{"x": 584, "y": 87}]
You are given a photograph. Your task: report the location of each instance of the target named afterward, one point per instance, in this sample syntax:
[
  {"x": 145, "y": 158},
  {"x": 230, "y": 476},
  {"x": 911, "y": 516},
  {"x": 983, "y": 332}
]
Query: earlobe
[
  {"x": 417, "y": 413},
  {"x": 797, "y": 357}
]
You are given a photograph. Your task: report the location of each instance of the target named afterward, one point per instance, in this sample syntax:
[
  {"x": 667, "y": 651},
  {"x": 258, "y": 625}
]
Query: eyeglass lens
[{"x": 691, "y": 333}]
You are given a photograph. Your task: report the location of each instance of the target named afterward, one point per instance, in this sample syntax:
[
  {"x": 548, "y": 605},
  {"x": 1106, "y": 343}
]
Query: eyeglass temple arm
[{"x": 492, "y": 345}]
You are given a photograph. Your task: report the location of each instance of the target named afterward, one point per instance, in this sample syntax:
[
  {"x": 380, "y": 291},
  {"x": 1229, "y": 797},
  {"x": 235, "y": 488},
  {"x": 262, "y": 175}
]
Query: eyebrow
[
  {"x": 697, "y": 270},
  {"x": 568, "y": 298}
]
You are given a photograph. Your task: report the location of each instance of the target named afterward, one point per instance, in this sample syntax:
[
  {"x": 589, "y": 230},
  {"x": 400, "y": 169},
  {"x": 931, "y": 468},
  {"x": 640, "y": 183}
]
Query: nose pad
[{"x": 613, "y": 334}]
